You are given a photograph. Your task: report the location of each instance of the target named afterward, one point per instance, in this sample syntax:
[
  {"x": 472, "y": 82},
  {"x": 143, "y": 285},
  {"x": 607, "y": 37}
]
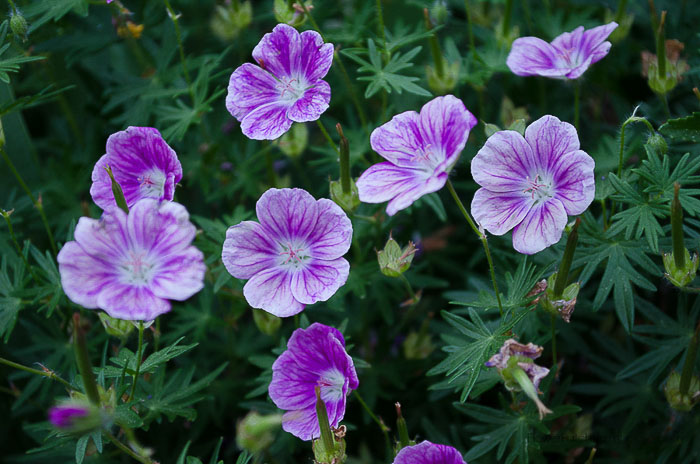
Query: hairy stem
[{"x": 45, "y": 373}]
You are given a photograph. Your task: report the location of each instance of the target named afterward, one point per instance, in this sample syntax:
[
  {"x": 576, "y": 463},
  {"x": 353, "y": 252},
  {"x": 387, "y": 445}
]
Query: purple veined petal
[
  {"x": 180, "y": 276},
  {"x": 410, "y": 195},
  {"x": 384, "y": 181},
  {"x": 542, "y": 227},
  {"x": 567, "y": 46},
  {"x": 498, "y": 212},
  {"x": 595, "y": 41},
  {"x": 312, "y": 104},
  {"x": 400, "y": 140},
  {"x": 101, "y": 188},
  {"x": 332, "y": 235},
  {"x": 302, "y": 423},
  {"x": 292, "y": 387},
  {"x": 289, "y": 215},
  {"x": 581, "y": 68},
  {"x": 445, "y": 124},
  {"x": 504, "y": 162},
  {"x": 160, "y": 228},
  {"x": 131, "y": 303},
  {"x": 267, "y": 122},
  {"x": 103, "y": 239},
  {"x": 321, "y": 348},
  {"x": 316, "y": 56},
  {"x": 279, "y": 51},
  {"x": 271, "y": 290},
  {"x": 248, "y": 250},
  {"x": 82, "y": 276},
  {"x": 319, "y": 280},
  {"x": 531, "y": 56},
  {"x": 574, "y": 181},
  {"x": 250, "y": 87},
  {"x": 550, "y": 138},
  {"x": 535, "y": 372},
  {"x": 426, "y": 452}
]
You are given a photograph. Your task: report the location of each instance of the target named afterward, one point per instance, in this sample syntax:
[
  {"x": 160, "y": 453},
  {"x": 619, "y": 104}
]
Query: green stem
[
  {"x": 409, "y": 288},
  {"x": 382, "y": 32},
  {"x": 621, "y": 6},
  {"x": 37, "y": 204},
  {"x": 178, "y": 37},
  {"x": 689, "y": 364},
  {"x": 506, "y": 17},
  {"x": 554, "y": 341},
  {"x": 563, "y": 273},
  {"x": 327, "y": 136},
  {"x": 12, "y": 5},
  {"x": 83, "y": 358},
  {"x": 404, "y": 439},
  {"x": 324, "y": 425},
  {"x": 577, "y": 98},
  {"x": 434, "y": 46},
  {"x": 125, "y": 449},
  {"x": 482, "y": 237},
  {"x": 661, "y": 46},
  {"x": 470, "y": 29},
  {"x": 677, "y": 229},
  {"x": 345, "y": 181},
  {"x": 139, "y": 355},
  {"x": 381, "y": 425},
  {"x": 47, "y": 373}
]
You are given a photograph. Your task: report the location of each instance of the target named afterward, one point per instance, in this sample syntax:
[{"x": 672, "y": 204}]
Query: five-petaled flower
[
  {"x": 287, "y": 85},
  {"x": 426, "y": 452},
  {"x": 293, "y": 256},
  {"x": 530, "y": 184},
  {"x": 420, "y": 150},
  {"x": 315, "y": 357},
  {"x": 131, "y": 265},
  {"x": 566, "y": 57},
  {"x": 142, "y": 163}
]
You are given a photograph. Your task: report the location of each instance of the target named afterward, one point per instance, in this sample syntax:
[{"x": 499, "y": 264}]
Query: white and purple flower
[
  {"x": 315, "y": 357},
  {"x": 131, "y": 265},
  {"x": 530, "y": 184},
  {"x": 142, "y": 163},
  {"x": 420, "y": 150},
  {"x": 293, "y": 256},
  {"x": 566, "y": 57},
  {"x": 287, "y": 85},
  {"x": 426, "y": 452}
]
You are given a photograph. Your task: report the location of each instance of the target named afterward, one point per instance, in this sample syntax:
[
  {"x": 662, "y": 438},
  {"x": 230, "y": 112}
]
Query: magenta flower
[
  {"x": 142, "y": 163},
  {"x": 426, "y": 452},
  {"x": 293, "y": 256},
  {"x": 131, "y": 266},
  {"x": 315, "y": 357},
  {"x": 287, "y": 85},
  {"x": 64, "y": 416},
  {"x": 530, "y": 184},
  {"x": 568, "y": 56},
  {"x": 420, "y": 150}
]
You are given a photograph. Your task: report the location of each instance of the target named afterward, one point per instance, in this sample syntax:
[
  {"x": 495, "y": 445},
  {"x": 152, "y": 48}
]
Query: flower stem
[
  {"x": 677, "y": 229},
  {"x": 506, "y": 17},
  {"x": 323, "y": 424},
  {"x": 470, "y": 29},
  {"x": 434, "y": 46},
  {"x": 344, "y": 160},
  {"x": 409, "y": 288},
  {"x": 621, "y": 5},
  {"x": 178, "y": 37},
  {"x": 83, "y": 358},
  {"x": 577, "y": 98},
  {"x": 125, "y": 449},
  {"x": 327, "y": 136},
  {"x": 382, "y": 32},
  {"x": 554, "y": 341},
  {"x": 36, "y": 203},
  {"x": 45, "y": 373},
  {"x": 404, "y": 439},
  {"x": 661, "y": 46},
  {"x": 12, "y": 6},
  {"x": 139, "y": 355},
  {"x": 689, "y": 363},
  {"x": 482, "y": 237},
  {"x": 382, "y": 426}
]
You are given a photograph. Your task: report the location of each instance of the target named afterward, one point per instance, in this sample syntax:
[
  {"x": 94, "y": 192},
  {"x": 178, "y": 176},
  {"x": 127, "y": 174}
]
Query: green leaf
[
  {"x": 683, "y": 129},
  {"x": 433, "y": 200},
  {"x": 80, "y": 448}
]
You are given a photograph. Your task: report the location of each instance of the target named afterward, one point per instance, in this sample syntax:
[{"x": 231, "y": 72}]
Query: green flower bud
[
  {"x": 439, "y": 12},
  {"x": 348, "y": 201},
  {"x": 676, "y": 399},
  {"x": 444, "y": 84},
  {"x": 294, "y": 141},
  {"x": 393, "y": 261},
  {"x": 19, "y": 26},
  {"x": 418, "y": 345},
  {"x": 330, "y": 447},
  {"x": 681, "y": 276},
  {"x": 228, "y": 21},
  {"x": 658, "y": 143},
  {"x": 256, "y": 432},
  {"x": 268, "y": 323},
  {"x": 294, "y": 16},
  {"x": 116, "y": 327}
]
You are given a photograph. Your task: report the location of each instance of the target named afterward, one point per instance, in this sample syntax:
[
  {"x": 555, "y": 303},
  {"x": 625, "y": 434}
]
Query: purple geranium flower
[
  {"x": 142, "y": 163},
  {"x": 64, "y": 416},
  {"x": 530, "y": 184},
  {"x": 131, "y": 265},
  {"x": 287, "y": 85},
  {"x": 315, "y": 357},
  {"x": 568, "y": 56},
  {"x": 293, "y": 256},
  {"x": 420, "y": 150},
  {"x": 426, "y": 452}
]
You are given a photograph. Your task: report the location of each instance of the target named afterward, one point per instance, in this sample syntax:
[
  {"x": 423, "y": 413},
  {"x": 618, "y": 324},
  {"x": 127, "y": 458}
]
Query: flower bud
[
  {"x": 257, "y": 432},
  {"x": 677, "y": 400},
  {"x": 439, "y": 12},
  {"x": 562, "y": 305},
  {"x": 19, "y": 26},
  {"x": 228, "y": 21},
  {"x": 117, "y": 327},
  {"x": 294, "y": 141},
  {"x": 680, "y": 268},
  {"x": 393, "y": 261},
  {"x": 418, "y": 345},
  {"x": 445, "y": 83},
  {"x": 658, "y": 143},
  {"x": 348, "y": 201},
  {"x": 294, "y": 16},
  {"x": 78, "y": 416},
  {"x": 267, "y": 323}
]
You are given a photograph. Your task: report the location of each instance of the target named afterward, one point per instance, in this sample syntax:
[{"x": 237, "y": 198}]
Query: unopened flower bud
[
  {"x": 658, "y": 143},
  {"x": 676, "y": 399},
  {"x": 78, "y": 416},
  {"x": 228, "y": 21},
  {"x": 348, "y": 201},
  {"x": 116, "y": 327},
  {"x": 256, "y": 432},
  {"x": 445, "y": 83},
  {"x": 294, "y": 141},
  {"x": 439, "y": 12},
  {"x": 393, "y": 261},
  {"x": 19, "y": 26},
  {"x": 268, "y": 323},
  {"x": 681, "y": 269},
  {"x": 294, "y": 16}
]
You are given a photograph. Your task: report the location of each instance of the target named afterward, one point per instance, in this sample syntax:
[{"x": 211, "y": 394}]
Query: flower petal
[
  {"x": 248, "y": 250},
  {"x": 319, "y": 280},
  {"x": 180, "y": 275},
  {"x": 266, "y": 122},
  {"x": 498, "y": 212},
  {"x": 594, "y": 41},
  {"x": 531, "y": 56},
  {"x": 131, "y": 303},
  {"x": 316, "y": 56},
  {"x": 445, "y": 124},
  {"x": 103, "y": 239},
  {"x": 271, "y": 290},
  {"x": 302, "y": 423},
  {"x": 574, "y": 181},
  {"x": 400, "y": 140},
  {"x": 162, "y": 228},
  {"x": 82, "y": 276},
  {"x": 292, "y": 385},
  {"x": 426, "y": 452},
  {"x": 332, "y": 234},
  {"x": 312, "y": 104},
  {"x": 279, "y": 51},
  {"x": 250, "y": 87},
  {"x": 289, "y": 215},
  {"x": 406, "y": 198},
  {"x": 550, "y": 139},
  {"x": 504, "y": 163},
  {"x": 541, "y": 228}
]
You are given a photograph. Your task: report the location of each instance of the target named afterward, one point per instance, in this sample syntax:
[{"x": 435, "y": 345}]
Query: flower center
[
  {"x": 152, "y": 183},
  {"x": 539, "y": 189},
  {"x": 293, "y": 255},
  {"x": 291, "y": 89},
  {"x": 137, "y": 269},
  {"x": 570, "y": 56},
  {"x": 331, "y": 383}
]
